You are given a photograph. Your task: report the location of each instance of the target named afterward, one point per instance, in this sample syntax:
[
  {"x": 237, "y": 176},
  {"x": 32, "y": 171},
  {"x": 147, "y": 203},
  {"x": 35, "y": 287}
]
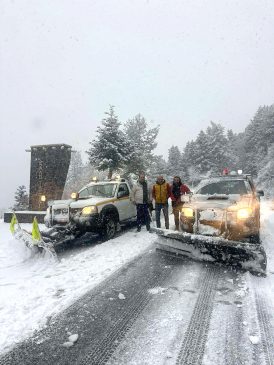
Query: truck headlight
[
  {"x": 188, "y": 212},
  {"x": 89, "y": 210},
  {"x": 244, "y": 213}
]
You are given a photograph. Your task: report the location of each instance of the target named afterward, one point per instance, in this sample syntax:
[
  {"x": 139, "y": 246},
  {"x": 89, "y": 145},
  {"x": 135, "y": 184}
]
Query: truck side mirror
[{"x": 260, "y": 192}]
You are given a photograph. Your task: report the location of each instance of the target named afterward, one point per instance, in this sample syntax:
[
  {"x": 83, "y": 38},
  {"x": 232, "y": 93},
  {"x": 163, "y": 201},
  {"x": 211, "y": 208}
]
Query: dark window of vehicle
[
  {"x": 83, "y": 194},
  {"x": 123, "y": 190},
  {"x": 224, "y": 187},
  {"x": 104, "y": 190}
]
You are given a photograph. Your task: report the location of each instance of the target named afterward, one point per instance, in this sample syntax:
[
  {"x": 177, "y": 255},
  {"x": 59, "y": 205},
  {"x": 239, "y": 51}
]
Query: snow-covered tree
[
  {"x": 110, "y": 150},
  {"x": 75, "y": 174},
  {"x": 188, "y": 152},
  {"x": 174, "y": 162},
  {"x": 142, "y": 140},
  {"x": 157, "y": 167},
  {"x": 209, "y": 153},
  {"x": 194, "y": 176},
  {"x": 201, "y": 158},
  {"x": 258, "y": 137},
  {"x": 265, "y": 178},
  {"x": 194, "y": 159},
  {"x": 79, "y": 175},
  {"x": 235, "y": 149},
  {"x": 217, "y": 148},
  {"x": 21, "y": 198}
]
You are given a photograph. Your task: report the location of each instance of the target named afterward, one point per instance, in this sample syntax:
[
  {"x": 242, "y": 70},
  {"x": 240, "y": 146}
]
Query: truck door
[{"x": 123, "y": 203}]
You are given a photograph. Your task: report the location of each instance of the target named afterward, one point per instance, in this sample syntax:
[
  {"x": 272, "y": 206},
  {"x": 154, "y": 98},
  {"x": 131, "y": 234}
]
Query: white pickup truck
[{"x": 98, "y": 207}]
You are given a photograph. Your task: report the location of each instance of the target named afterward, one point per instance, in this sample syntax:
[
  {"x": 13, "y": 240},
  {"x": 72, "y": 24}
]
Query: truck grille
[
  {"x": 63, "y": 211},
  {"x": 74, "y": 211}
]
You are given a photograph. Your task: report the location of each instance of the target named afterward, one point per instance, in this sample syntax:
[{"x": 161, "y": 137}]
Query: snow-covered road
[
  {"x": 151, "y": 311},
  {"x": 34, "y": 288}
]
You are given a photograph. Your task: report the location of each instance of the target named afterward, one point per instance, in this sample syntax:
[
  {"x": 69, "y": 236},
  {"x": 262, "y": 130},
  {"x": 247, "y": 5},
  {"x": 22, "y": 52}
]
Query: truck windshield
[
  {"x": 224, "y": 187},
  {"x": 105, "y": 190}
]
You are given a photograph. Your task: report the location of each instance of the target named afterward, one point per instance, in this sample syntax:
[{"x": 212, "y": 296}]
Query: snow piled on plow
[
  {"x": 34, "y": 287},
  {"x": 200, "y": 247}
]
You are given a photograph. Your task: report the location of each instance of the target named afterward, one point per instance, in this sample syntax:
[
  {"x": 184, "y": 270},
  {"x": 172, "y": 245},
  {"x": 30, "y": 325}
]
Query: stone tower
[{"x": 48, "y": 173}]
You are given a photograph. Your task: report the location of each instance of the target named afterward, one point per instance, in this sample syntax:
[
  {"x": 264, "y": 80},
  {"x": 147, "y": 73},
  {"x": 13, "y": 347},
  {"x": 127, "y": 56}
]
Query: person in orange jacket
[
  {"x": 176, "y": 190},
  {"x": 161, "y": 193}
]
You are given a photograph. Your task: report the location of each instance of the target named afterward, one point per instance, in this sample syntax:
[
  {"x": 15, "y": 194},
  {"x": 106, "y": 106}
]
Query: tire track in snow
[
  {"x": 103, "y": 349},
  {"x": 192, "y": 349},
  {"x": 235, "y": 352},
  {"x": 100, "y": 322},
  {"x": 264, "y": 321}
]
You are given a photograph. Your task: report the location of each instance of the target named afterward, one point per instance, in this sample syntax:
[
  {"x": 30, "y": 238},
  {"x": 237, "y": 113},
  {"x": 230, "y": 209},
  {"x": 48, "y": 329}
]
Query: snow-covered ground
[
  {"x": 34, "y": 288},
  {"x": 267, "y": 236}
]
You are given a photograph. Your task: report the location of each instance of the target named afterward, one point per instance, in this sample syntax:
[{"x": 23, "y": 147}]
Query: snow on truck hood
[
  {"x": 220, "y": 201},
  {"x": 81, "y": 203}
]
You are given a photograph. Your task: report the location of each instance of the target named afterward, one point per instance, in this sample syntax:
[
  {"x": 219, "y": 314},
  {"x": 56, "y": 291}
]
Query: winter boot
[
  {"x": 148, "y": 226},
  {"x": 139, "y": 229}
]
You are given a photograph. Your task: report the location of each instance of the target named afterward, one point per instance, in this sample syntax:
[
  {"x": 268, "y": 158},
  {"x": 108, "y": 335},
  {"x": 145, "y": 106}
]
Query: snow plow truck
[
  {"x": 99, "y": 207},
  {"x": 219, "y": 221}
]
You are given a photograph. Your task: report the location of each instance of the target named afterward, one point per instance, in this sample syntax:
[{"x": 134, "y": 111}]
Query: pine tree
[
  {"x": 253, "y": 148},
  {"x": 258, "y": 137},
  {"x": 188, "y": 157},
  {"x": 142, "y": 141},
  {"x": 234, "y": 150},
  {"x": 75, "y": 174},
  {"x": 174, "y": 162},
  {"x": 265, "y": 178},
  {"x": 202, "y": 153},
  {"x": 21, "y": 198},
  {"x": 157, "y": 167},
  {"x": 218, "y": 157},
  {"x": 194, "y": 176},
  {"x": 109, "y": 150}
]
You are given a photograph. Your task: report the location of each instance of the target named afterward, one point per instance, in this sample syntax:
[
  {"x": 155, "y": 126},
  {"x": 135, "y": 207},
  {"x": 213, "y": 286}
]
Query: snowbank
[{"x": 34, "y": 288}]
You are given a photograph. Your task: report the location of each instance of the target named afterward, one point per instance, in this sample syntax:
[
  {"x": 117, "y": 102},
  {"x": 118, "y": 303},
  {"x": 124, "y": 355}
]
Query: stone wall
[{"x": 25, "y": 217}]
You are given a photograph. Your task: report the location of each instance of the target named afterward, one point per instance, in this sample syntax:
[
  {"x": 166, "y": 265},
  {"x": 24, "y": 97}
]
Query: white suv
[{"x": 98, "y": 207}]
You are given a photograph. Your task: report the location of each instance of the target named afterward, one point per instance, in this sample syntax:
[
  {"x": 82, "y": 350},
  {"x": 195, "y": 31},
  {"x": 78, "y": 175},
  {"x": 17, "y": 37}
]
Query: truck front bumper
[{"x": 89, "y": 223}]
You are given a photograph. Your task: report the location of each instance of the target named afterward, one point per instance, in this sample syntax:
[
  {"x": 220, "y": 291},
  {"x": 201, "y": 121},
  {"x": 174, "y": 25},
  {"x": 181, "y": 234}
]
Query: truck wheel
[
  {"x": 255, "y": 238},
  {"x": 109, "y": 228}
]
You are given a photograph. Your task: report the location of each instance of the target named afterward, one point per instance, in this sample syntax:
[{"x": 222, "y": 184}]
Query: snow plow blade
[
  {"x": 244, "y": 255},
  {"x": 34, "y": 245}
]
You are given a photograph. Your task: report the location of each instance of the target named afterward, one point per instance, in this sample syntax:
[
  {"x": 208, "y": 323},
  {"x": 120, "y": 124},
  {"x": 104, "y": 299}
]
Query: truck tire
[
  {"x": 255, "y": 238},
  {"x": 109, "y": 227}
]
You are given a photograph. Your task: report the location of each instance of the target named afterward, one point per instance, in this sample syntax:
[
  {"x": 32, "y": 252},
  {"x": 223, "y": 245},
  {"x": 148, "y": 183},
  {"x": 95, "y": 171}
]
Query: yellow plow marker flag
[
  {"x": 36, "y": 235},
  {"x": 12, "y": 223}
]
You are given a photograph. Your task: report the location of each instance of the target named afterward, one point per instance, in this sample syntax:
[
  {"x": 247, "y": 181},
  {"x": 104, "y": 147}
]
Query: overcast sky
[{"x": 179, "y": 63}]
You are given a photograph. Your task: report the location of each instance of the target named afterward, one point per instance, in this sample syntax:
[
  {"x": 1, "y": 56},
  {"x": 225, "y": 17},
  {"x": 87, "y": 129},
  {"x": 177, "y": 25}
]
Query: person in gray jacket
[{"x": 141, "y": 197}]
